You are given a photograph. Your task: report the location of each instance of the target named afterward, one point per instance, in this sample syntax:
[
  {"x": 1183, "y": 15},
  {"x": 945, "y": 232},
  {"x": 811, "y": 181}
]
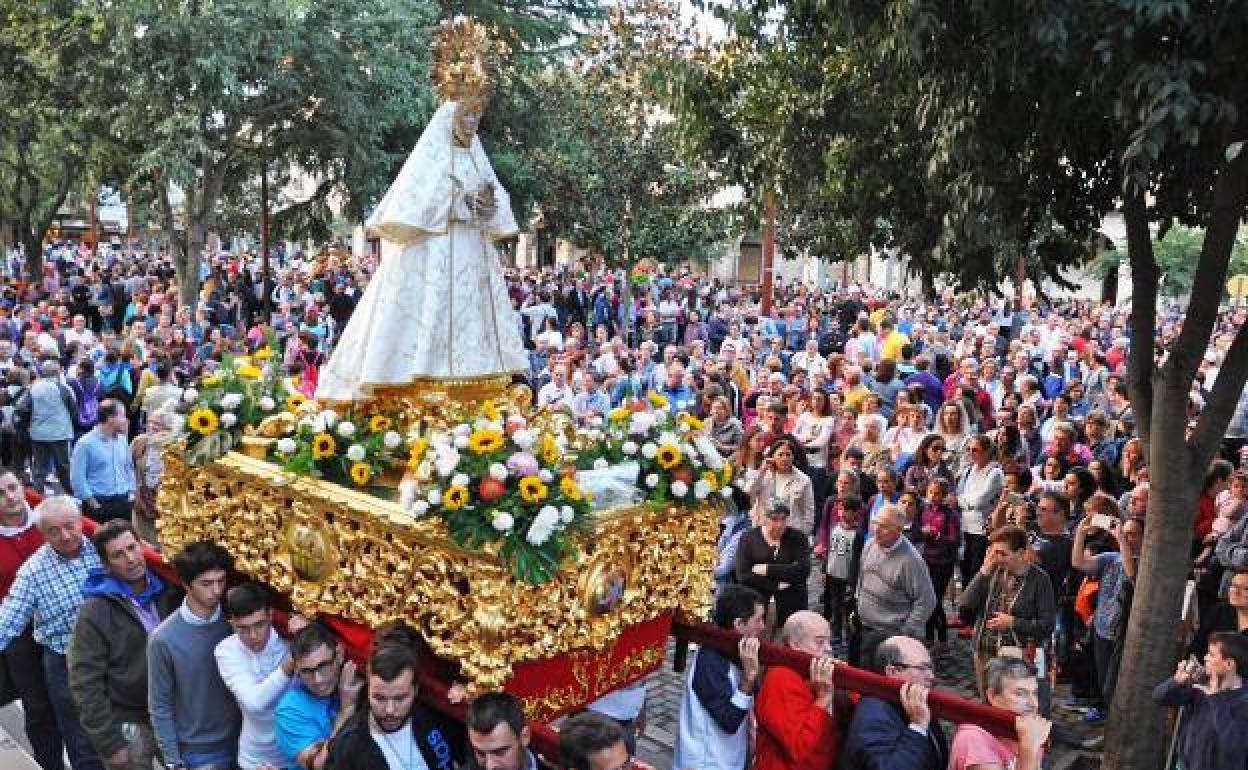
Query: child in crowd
[
  {"x": 942, "y": 532},
  {"x": 844, "y": 547}
]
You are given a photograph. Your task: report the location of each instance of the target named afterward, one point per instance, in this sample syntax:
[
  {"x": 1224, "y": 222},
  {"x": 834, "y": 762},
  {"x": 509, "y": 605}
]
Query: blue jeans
[{"x": 56, "y": 673}]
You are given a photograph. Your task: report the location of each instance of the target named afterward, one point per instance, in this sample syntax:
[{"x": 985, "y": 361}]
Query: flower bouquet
[
  {"x": 352, "y": 449},
  {"x": 242, "y": 392}
]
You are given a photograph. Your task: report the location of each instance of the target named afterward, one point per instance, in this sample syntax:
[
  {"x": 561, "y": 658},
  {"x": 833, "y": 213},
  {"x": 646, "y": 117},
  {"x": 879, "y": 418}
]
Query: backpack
[{"x": 88, "y": 404}]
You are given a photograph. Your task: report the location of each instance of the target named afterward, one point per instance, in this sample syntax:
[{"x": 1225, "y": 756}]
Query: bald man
[
  {"x": 898, "y": 736},
  {"x": 796, "y": 730}
]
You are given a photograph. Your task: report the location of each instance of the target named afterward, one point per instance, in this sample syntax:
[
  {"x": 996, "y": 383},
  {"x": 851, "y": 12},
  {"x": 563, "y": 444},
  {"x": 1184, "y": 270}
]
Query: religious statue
[{"x": 437, "y": 308}]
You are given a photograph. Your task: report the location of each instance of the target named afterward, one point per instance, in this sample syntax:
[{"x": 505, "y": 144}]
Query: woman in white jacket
[
  {"x": 780, "y": 479},
  {"x": 979, "y": 488}
]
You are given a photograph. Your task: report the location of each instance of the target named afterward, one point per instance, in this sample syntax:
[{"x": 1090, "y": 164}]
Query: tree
[
  {"x": 54, "y": 99},
  {"x": 1177, "y": 254}
]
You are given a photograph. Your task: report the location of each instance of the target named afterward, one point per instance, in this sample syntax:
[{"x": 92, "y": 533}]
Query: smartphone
[{"x": 1103, "y": 521}]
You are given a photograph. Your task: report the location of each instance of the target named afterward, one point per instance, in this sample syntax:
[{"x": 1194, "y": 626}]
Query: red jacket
[
  {"x": 793, "y": 732},
  {"x": 14, "y": 551}
]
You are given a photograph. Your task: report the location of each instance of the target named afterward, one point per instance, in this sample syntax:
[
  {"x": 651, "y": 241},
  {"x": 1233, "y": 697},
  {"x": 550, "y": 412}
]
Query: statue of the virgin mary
[{"x": 437, "y": 308}]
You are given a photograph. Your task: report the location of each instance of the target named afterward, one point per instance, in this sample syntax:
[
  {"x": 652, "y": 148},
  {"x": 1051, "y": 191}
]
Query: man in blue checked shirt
[{"x": 48, "y": 587}]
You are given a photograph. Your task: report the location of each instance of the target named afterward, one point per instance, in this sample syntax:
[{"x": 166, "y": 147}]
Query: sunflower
[
  {"x": 711, "y": 478},
  {"x": 490, "y": 411},
  {"x": 620, "y": 414},
  {"x": 294, "y": 401},
  {"x": 361, "y": 473},
  {"x": 657, "y": 400},
  {"x": 570, "y": 489},
  {"x": 693, "y": 423},
  {"x": 668, "y": 456},
  {"x": 727, "y": 474},
  {"x": 323, "y": 445},
  {"x": 419, "y": 446},
  {"x": 250, "y": 372},
  {"x": 456, "y": 497},
  {"x": 203, "y": 421},
  {"x": 379, "y": 423},
  {"x": 532, "y": 490},
  {"x": 211, "y": 381},
  {"x": 549, "y": 451},
  {"x": 485, "y": 441},
  {"x": 262, "y": 354}
]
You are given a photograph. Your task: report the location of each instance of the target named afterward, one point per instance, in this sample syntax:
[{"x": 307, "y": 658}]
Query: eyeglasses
[{"x": 320, "y": 670}]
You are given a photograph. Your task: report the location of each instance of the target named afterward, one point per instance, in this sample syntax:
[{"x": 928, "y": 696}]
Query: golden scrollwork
[{"x": 338, "y": 551}]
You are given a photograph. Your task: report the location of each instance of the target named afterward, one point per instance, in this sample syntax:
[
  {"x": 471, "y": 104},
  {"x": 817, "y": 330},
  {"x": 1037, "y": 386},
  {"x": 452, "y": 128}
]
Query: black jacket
[{"x": 353, "y": 748}]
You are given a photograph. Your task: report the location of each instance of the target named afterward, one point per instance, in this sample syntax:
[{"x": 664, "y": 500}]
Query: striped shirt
[{"x": 48, "y": 587}]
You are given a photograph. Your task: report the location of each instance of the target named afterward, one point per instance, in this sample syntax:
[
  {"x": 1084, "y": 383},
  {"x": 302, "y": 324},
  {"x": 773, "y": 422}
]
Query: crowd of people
[{"x": 932, "y": 466}]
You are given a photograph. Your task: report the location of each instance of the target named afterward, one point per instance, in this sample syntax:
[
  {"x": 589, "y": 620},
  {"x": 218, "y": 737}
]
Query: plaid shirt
[{"x": 48, "y": 587}]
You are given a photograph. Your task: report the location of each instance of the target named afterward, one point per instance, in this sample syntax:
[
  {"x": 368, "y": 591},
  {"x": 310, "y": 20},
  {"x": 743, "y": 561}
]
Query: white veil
[{"x": 419, "y": 200}]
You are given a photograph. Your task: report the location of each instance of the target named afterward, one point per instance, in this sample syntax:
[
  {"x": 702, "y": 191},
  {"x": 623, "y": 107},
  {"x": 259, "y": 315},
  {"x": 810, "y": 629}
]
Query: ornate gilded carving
[{"x": 338, "y": 551}]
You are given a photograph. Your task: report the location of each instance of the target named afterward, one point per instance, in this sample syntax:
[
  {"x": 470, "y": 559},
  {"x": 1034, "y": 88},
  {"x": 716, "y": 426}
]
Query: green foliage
[{"x": 1177, "y": 254}]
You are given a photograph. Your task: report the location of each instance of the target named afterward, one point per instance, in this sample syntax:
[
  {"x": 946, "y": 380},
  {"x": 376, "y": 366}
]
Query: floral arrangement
[
  {"x": 243, "y": 391},
  {"x": 352, "y": 448},
  {"x": 678, "y": 463},
  {"x": 497, "y": 483}
]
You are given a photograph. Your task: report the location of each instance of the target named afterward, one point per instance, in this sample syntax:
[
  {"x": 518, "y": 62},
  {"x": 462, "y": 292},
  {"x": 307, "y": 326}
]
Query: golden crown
[{"x": 466, "y": 61}]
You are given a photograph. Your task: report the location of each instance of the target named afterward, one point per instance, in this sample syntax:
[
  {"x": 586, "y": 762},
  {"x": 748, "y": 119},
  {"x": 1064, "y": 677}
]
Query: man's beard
[{"x": 392, "y": 724}]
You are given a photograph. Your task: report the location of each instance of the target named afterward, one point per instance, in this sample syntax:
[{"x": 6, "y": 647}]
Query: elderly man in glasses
[{"x": 898, "y": 736}]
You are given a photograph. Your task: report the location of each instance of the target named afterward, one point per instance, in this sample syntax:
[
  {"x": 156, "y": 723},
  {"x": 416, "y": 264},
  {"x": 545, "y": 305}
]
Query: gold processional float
[{"x": 420, "y": 484}]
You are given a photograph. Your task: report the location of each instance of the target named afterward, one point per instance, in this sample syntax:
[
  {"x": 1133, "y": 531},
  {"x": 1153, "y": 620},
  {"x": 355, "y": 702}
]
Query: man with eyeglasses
[
  {"x": 898, "y": 736},
  {"x": 257, "y": 669},
  {"x": 322, "y": 700}
]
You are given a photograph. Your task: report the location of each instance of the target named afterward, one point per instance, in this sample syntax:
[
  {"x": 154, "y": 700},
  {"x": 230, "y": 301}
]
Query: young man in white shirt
[{"x": 257, "y": 668}]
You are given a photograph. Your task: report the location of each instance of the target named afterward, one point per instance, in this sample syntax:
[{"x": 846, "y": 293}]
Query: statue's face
[{"x": 467, "y": 118}]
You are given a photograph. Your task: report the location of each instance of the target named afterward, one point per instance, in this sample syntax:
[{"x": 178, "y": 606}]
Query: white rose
[
  {"x": 629, "y": 448},
  {"x": 391, "y": 440},
  {"x": 649, "y": 450},
  {"x": 330, "y": 417},
  {"x": 702, "y": 489},
  {"x": 231, "y": 400},
  {"x": 228, "y": 420},
  {"x": 356, "y": 453},
  {"x": 267, "y": 404},
  {"x": 460, "y": 479},
  {"x": 524, "y": 438},
  {"x": 545, "y": 475},
  {"x": 503, "y": 521},
  {"x": 652, "y": 480},
  {"x": 549, "y": 514},
  {"x": 601, "y": 464},
  {"x": 498, "y": 471},
  {"x": 680, "y": 488},
  {"x": 539, "y": 532},
  {"x": 287, "y": 446},
  {"x": 420, "y": 508},
  {"x": 190, "y": 395},
  {"x": 566, "y": 514},
  {"x": 434, "y": 497},
  {"x": 346, "y": 428},
  {"x": 463, "y": 429},
  {"x": 461, "y": 441},
  {"x": 446, "y": 461}
]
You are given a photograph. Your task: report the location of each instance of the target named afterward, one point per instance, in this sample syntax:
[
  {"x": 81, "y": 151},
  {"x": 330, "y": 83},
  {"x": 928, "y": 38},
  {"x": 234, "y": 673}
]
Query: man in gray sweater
[
  {"x": 894, "y": 594},
  {"x": 47, "y": 412},
  {"x": 195, "y": 717}
]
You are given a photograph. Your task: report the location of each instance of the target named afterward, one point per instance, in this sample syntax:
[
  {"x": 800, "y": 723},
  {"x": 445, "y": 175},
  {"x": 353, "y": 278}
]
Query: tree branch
[{"x": 1144, "y": 282}]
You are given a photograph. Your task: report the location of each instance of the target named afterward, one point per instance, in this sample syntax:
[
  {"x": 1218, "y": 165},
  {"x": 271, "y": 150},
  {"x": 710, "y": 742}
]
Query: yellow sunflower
[
  {"x": 379, "y": 423},
  {"x": 262, "y": 354},
  {"x": 711, "y": 478},
  {"x": 211, "y": 381},
  {"x": 490, "y": 411},
  {"x": 692, "y": 422},
  {"x": 549, "y": 450},
  {"x": 203, "y": 421},
  {"x": 532, "y": 490},
  {"x": 250, "y": 372},
  {"x": 323, "y": 445},
  {"x": 570, "y": 489},
  {"x": 485, "y": 441},
  {"x": 668, "y": 456},
  {"x": 456, "y": 497},
  {"x": 657, "y": 400},
  {"x": 620, "y": 414},
  {"x": 294, "y": 401},
  {"x": 727, "y": 474},
  {"x": 361, "y": 473},
  {"x": 419, "y": 446}
]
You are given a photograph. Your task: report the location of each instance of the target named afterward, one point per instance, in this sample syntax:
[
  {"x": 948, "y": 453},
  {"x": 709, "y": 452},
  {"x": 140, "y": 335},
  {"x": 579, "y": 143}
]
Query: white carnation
[
  {"x": 446, "y": 460},
  {"x": 228, "y": 419},
  {"x": 601, "y": 464},
  {"x": 346, "y": 428},
  {"x": 702, "y": 489},
  {"x": 652, "y": 480},
  {"x": 460, "y": 479},
  {"x": 356, "y": 453},
  {"x": 287, "y": 446},
  {"x": 461, "y": 441},
  {"x": 463, "y": 429},
  {"x": 498, "y": 471},
  {"x": 231, "y": 400},
  {"x": 267, "y": 404},
  {"x": 629, "y": 448},
  {"x": 726, "y": 492},
  {"x": 545, "y": 475},
  {"x": 190, "y": 395},
  {"x": 566, "y": 514},
  {"x": 524, "y": 438},
  {"x": 313, "y": 423},
  {"x": 419, "y": 507},
  {"x": 680, "y": 488},
  {"x": 434, "y": 497},
  {"x": 649, "y": 450},
  {"x": 330, "y": 417},
  {"x": 391, "y": 440},
  {"x": 503, "y": 521}
]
